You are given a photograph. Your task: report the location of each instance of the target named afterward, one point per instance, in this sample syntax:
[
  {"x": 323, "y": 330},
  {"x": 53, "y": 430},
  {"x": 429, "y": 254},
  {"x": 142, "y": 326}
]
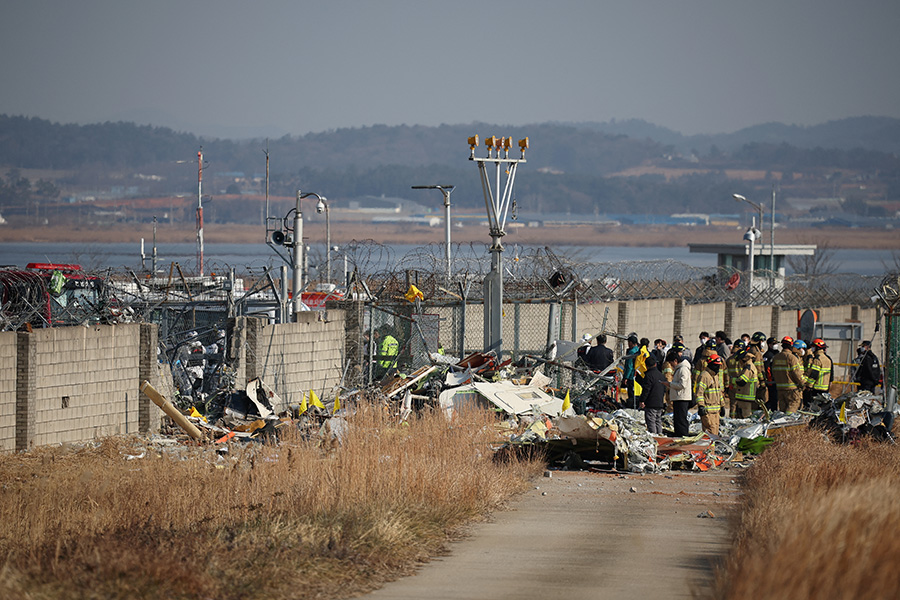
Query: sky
[{"x": 229, "y": 68}]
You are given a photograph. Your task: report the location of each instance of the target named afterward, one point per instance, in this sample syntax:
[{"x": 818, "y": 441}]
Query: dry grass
[
  {"x": 818, "y": 520},
  {"x": 287, "y": 521}
]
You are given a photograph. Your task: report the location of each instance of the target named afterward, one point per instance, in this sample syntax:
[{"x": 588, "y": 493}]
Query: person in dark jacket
[
  {"x": 598, "y": 357},
  {"x": 868, "y": 373},
  {"x": 768, "y": 357},
  {"x": 653, "y": 394}
]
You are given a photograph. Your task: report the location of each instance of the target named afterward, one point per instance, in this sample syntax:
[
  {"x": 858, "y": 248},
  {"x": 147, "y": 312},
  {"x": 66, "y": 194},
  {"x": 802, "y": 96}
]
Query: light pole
[
  {"x": 322, "y": 207},
  {"x": 445, "y": 190},
  {"x": 750, "y": 236},
  {"x": 759, "y": 208},
  {"x": 297, "y": 250}
]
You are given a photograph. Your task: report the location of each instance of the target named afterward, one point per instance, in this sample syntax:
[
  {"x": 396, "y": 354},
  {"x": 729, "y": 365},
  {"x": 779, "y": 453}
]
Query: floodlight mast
[{"x": 496, "y": 202}]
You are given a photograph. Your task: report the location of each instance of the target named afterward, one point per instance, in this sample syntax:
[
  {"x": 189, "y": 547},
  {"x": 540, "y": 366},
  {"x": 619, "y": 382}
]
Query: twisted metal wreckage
[{"x": 586, "y": 429}]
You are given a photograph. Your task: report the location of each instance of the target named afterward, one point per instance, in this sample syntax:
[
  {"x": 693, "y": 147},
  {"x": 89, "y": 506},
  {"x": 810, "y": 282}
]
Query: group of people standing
[{"x": 724, "y": 378}]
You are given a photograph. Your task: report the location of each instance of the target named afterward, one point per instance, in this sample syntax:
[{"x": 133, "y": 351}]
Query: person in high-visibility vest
[
  {"x": 745, "y": 381},
  {"x": 820, "y": 369},
  {"x": 708, "y": 393},
  {"x": 388, "y": 349},
  {"x": 787, "y": 370}
]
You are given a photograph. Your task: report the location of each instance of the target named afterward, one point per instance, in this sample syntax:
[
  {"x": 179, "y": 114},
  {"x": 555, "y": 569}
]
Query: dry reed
[
  {"x": 292, "y": 520},
  {"x": 818, "y": 520}
]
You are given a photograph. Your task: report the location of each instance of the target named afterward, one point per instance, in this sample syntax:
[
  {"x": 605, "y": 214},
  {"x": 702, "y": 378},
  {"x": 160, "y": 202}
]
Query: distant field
[{"x": 582, "y": 235}]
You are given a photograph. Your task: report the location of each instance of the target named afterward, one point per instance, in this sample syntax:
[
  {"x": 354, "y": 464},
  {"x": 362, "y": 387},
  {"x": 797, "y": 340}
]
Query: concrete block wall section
[
  {"x": 73, "y": 384},
  {"x": 652, "y": 319},
  {"x": 91, "y": 389},
  {"x": 750, "y": 319},
  {"x": 294, "y": 358},
  {"x": 8, "y": 354},
  {"x": 701, "y": 317}
]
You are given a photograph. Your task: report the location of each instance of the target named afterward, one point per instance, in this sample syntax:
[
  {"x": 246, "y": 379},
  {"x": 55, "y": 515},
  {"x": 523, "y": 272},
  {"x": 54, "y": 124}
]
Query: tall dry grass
[
  {"x": 818, "y": 520},
  {"x": 293, "y": 520}
]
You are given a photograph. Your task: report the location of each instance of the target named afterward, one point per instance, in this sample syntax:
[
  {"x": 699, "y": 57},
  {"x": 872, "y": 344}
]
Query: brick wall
[
  {"x": 73, "y": 384},
  {"x": 87, "y": 382},
  {"x": 750, "y": 319},
  {"x": 293, "y": 358},
  {"x": 701, "y": 317}
]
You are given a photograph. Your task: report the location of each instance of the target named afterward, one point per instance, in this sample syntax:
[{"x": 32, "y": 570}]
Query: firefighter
[
  {"x": 703, "y": 354},
  {"x": 745, "y": 382},
  {"x": 731, "y": 373},
  {"x": 755, "y": 348},
  {"x": 709, "y": 394},
  {"x": 819, "y": 370},
  {"x": 787, "y": 370}
]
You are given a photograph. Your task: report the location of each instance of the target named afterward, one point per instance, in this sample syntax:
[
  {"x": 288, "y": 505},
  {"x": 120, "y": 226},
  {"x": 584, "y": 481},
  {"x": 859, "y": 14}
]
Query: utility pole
[{"x": 200, "y": 209}]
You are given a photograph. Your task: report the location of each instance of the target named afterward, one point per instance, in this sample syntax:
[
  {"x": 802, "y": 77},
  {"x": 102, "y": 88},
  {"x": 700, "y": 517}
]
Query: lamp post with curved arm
[
  {"x": 297, "y": 254},
  {"x": 322, "y": 207}
]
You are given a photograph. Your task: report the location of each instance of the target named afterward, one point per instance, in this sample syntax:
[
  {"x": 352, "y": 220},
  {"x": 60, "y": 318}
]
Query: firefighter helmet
[{"x": 758, "y": 337}]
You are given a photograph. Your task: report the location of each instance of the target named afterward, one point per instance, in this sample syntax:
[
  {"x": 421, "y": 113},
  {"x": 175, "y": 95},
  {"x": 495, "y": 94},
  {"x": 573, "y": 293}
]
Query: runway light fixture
[{"x": 473, "y": 143}]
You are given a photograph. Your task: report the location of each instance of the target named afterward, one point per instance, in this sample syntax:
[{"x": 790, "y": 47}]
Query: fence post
[{"x": 517, "y": 323}]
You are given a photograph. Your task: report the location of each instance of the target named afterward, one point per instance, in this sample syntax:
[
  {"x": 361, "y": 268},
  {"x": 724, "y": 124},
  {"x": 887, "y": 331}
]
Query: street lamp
[
  {"x": 750, "y": 236},
  {"x": 759, "y": 208},
  {"x": 322, "y": 207},
  {"x": 297, "y": 250},
  {"x": 445, "y": 190}
]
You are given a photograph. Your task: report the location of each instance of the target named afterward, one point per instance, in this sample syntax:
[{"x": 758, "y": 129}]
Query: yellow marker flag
[
  {"x": 303, "y": 406},
  {"x": 337, "y": 405},
  {"x": 314, "y": 400},
  {"x": 842, "y": 417},
  {"x": 414, "y": 293},
  {"x": 567, "y": 404}
]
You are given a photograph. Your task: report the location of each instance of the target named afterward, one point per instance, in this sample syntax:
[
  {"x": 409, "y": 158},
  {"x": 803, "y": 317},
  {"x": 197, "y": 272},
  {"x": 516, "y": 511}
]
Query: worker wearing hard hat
[
  {"x": 709, "y": 394},
  {"x": 787, "y": 370},
  {"x": 819, "y": 370}
]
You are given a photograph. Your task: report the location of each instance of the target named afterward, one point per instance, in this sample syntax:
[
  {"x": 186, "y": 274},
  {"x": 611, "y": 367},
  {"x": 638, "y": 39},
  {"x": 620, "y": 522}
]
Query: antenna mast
[{"x": 200, "y": 209}]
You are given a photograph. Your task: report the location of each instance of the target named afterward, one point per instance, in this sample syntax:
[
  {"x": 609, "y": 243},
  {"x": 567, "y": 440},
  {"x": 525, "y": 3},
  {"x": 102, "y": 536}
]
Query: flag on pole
[
  {"x": 314, "y": 400},
  {"x": 337, "y": 404},
  {"x": 303, "y": 406},
  {"x": 567, "y": 404}
]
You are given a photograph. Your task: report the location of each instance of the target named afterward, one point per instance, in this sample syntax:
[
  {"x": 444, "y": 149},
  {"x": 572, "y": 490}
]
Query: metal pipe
[
  {"x": 297, "y": 259},
  {"x": 173, "y": 413}
]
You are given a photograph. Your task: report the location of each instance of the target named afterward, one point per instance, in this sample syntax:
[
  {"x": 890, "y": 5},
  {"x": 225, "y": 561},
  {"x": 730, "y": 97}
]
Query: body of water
[{"x": 219, "y": 257}]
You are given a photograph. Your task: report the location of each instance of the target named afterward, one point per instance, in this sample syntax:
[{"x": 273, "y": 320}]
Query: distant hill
[
  {"x": 881, "y": 134},
  {"x": 583, "y": 168}
]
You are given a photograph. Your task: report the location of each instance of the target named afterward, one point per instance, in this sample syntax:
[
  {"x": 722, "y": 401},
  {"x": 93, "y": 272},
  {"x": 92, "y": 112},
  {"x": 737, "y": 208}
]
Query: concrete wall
[
  {"x": 749, "y": 319},
  {"x": 701, "y": 317},
  {"x": 293, "y": 358},
  {"x": 72, "y": 384},
  {"x": 7, "y": 391}
]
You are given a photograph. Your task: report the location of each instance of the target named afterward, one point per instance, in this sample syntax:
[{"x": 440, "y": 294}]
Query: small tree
[{"x": 819, "y": 263}]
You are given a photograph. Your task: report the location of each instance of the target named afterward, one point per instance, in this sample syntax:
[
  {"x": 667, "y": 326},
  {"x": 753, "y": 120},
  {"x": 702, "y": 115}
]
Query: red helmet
[
  {"x": 787, "y": 341},
  {"x": 819, "y": 343},
  {"x": 714, "y": 359}
]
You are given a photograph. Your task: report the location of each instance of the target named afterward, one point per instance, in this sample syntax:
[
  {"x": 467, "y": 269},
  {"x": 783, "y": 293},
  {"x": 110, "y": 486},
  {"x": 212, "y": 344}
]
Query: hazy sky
[{"x": 267, "y": 67}]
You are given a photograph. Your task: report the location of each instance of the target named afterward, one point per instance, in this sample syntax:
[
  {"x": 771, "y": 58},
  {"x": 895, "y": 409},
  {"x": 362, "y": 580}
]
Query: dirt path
[{"x": 587, "y": 535}]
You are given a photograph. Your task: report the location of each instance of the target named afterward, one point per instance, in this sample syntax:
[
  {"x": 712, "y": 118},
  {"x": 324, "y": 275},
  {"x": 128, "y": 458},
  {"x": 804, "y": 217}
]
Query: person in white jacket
[{"x": 680, "y": 391}]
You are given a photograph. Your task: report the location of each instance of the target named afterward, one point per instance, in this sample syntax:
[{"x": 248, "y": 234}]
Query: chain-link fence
[{"x": 542, "y": 294}]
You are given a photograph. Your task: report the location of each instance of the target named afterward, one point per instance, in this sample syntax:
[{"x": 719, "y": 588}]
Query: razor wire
[{"x": 376, "y": 273}]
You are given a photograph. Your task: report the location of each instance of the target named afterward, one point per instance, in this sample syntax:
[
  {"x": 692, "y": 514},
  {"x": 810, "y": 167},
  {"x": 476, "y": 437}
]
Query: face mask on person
[{"x": 703, "y": 341}]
